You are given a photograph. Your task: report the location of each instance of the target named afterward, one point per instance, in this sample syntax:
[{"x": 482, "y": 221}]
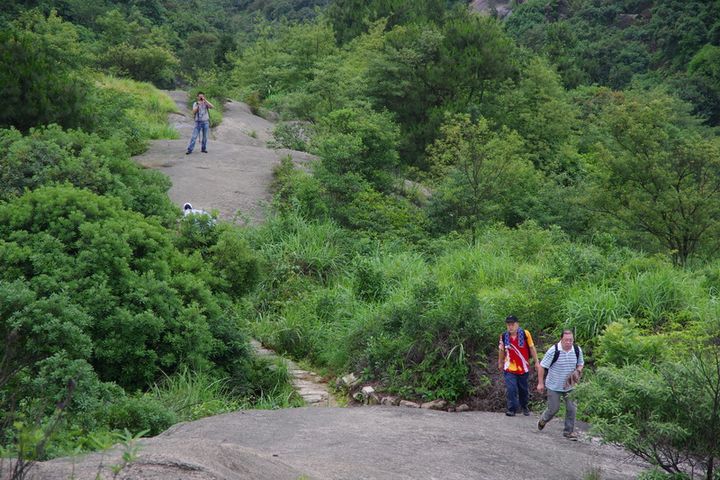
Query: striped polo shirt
[{"x": 560, "y": 370}]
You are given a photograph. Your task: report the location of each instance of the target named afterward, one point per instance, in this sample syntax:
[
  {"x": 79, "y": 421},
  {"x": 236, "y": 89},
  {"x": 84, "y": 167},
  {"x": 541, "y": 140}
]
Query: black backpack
[{"x": 556, "y": 355}]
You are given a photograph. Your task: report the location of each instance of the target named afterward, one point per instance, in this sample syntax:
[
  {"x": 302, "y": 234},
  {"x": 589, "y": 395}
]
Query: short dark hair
[
  {"x": 200, "y": 93},
  {"x": 565, "y": 332},
  {"x": 511, "y": 319}
]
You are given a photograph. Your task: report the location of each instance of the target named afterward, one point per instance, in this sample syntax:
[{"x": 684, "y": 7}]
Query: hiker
[
  {"x": 201, "y": 114},
  {"x": 514, "y": 351},
  {"x": 563, "y": 363}
]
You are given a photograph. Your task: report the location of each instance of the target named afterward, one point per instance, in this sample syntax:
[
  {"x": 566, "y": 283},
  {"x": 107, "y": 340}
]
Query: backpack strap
[{"x": 556, "y": 354}]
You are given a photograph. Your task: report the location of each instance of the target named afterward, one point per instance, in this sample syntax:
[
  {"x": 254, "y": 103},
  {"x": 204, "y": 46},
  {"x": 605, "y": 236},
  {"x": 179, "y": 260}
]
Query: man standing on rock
[
  {"x": 514, "y": 351},
  {"x": 564, "y": 363},
  {"x": 201, "y": 114}
]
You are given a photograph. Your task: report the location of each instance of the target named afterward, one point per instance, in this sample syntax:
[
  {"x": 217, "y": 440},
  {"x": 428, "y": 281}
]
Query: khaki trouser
[{"x": 554, "y": 406}]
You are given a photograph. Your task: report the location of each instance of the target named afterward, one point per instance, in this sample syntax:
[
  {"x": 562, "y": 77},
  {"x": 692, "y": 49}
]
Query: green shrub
[
  {"x": 294, "y": 136},
  {"x": 623, "y": 343},
  {"x": 663, "y": 412},
  {"x": 41, "y": 74},
  {"x": 237, "y": 267},
  {"x": 369, "y": 283},
  {"x": 52, "y": 156},
  {"x": 360, "y": 141},
  {"x": 123, "y": 288},
  {"x": 139, "y": 414}
]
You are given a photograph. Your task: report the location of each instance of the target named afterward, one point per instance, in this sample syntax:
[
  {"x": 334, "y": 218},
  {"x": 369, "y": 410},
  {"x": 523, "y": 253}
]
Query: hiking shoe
[
  {"x": 526, "y": 411},
  {"x": 541, "y": 424},
  {"x": 571, "y": 436},
  {"x": 188, "y": 152},
  {"x": 203, "y": 151},
  {"x": 510, "y": 413}
]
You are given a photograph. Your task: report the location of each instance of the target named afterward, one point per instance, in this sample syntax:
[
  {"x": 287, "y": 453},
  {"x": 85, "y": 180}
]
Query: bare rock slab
[{"x": 359, "y": 444}]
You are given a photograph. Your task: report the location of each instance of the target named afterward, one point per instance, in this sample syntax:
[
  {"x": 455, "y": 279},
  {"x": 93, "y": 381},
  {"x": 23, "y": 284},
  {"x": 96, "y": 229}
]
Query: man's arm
[
  {"x": 210, "y": 105},
  {"x": 541, "y": 379},
  {"x": 533, "y": 354},
  {"x": 501, "y": 356}
]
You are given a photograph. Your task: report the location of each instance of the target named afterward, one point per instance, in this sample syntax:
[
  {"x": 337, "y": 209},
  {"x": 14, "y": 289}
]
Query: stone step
[{"x": 309, "y": 385}]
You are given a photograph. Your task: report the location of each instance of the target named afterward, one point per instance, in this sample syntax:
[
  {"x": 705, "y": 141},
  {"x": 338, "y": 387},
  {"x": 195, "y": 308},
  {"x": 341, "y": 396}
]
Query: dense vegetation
[
  {"x": 115, "y": 314},
  {"x": 562, "y": 165}
]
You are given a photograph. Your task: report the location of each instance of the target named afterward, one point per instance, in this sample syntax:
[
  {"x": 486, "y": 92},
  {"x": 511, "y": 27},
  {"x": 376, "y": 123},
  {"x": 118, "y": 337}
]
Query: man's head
[
  {"x": 187, "y": 206},
  {"x": 512, "y": 323},
  {"x": 200, "y": 96},
  {"x": 567, "y": 339}
]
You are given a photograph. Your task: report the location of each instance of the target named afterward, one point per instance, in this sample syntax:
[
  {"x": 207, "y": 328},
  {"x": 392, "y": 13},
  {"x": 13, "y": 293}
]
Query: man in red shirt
[{"x": 514, "y": 351}]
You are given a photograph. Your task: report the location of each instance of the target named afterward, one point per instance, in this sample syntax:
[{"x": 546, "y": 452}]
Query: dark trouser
[
  {"x": 554, "y": 405},
  {"x": 516, "y": 387}
]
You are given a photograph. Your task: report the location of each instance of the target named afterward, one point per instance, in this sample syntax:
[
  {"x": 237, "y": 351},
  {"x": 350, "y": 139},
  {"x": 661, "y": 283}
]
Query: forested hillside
[{"x": 561, "y": 164}]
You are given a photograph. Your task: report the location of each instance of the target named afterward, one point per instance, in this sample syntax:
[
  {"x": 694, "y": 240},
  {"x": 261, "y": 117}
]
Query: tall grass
[
  {"x": 191, "y": 395},
  {"x": 589, "y": 309},
  {"x": 149, "y": 107}
]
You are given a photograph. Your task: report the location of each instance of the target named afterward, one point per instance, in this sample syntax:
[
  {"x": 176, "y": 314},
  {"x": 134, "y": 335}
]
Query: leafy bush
[
  {"x": 623, "y": 343},
  {"x": 126, "y": 298},
  {"x": 292, "y": 135},
  {"x": 139, "y": 414},
  {"x": 52, "y": 156},
  {"x": 236, "y": 264},
  {"x": 40, "y": 72},
  {"x": 360, "y": 141},
  {"x": 664, "y": 413}
]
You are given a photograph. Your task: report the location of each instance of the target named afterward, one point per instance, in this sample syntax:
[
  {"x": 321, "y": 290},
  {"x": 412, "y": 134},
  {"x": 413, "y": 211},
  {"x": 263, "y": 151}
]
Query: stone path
[{"x": 309, "y": 385}]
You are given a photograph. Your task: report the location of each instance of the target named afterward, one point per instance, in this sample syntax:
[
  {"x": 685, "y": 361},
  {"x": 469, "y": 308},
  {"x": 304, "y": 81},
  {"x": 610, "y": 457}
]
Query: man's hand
[{"x": 540, "y": 387}]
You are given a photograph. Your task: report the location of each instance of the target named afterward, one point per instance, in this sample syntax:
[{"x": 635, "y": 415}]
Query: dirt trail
[{"x": 234, "y": 177}]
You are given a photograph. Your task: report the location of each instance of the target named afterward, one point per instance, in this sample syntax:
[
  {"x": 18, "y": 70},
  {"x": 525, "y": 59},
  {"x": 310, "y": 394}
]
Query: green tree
[
  {"x": 658, "y": 176},
  {"x": 485, "y": 172},
  {"x": 40, "y": 61},
  {"x": 351, "y": 18},
  {"x": 144, "y": 306},
  {"x": 667, "y": 414},
  {"x": 538, "y": 109},
  {"x": 426, "y": 70},
  {"x": 358, "y": 141},
  {"x": 704, "y": 73}
]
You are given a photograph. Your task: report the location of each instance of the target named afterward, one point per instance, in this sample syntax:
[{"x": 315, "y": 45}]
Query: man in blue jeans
[
  {"x": 201, "y": 114},
  {"x": 515, "y": 349}
]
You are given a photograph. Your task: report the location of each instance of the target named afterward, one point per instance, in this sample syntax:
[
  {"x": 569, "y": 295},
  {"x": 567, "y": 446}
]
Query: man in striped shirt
[{"x": 568, "y": 364}]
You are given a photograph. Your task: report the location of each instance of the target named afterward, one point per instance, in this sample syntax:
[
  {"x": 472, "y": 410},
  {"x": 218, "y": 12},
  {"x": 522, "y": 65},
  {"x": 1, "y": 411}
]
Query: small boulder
[
  {"x": 438, "y": 404},
  {"x": 409, "y": 404},
  {"x": 390, "y": 401},
  {"x": 367, "y": 396},
  {"x": 367, "y": 390},
  {"x": 348, "y": 381},
  {"x": 462, "y": 408}
]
